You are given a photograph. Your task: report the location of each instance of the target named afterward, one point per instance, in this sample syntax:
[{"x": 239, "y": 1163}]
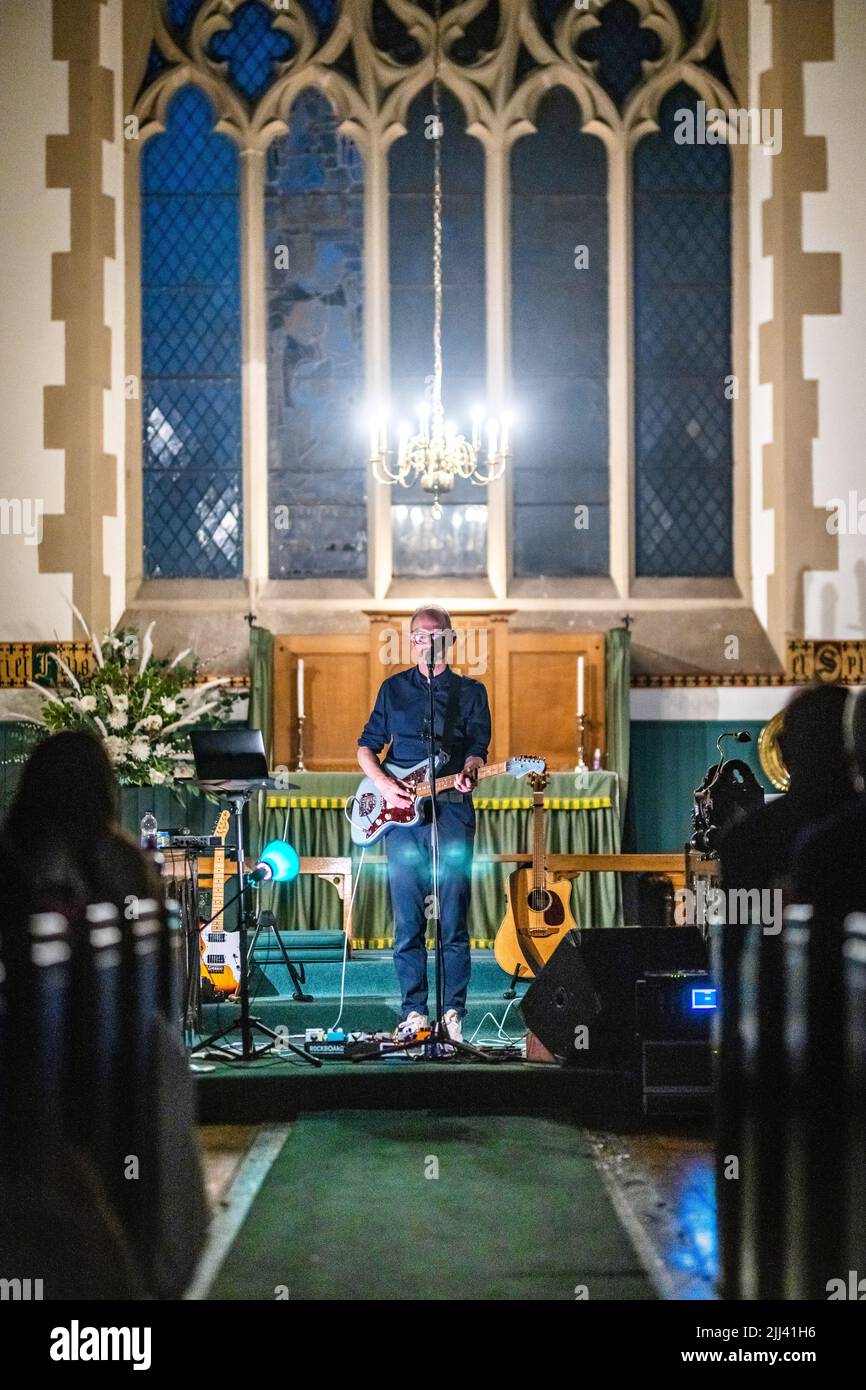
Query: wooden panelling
[
  {"x": 530, "y": 678},
  {"x": 542, "y": 683},
  {"x": 335, "y": 698}
]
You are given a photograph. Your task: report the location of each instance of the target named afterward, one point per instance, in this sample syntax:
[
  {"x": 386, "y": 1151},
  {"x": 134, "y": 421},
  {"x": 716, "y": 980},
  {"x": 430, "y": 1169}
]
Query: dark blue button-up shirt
[{"x": 401, "y": 711}]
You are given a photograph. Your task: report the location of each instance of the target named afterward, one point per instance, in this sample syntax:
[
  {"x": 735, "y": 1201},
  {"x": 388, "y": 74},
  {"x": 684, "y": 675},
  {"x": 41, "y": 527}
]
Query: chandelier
[{"x": 436, "y": 454}]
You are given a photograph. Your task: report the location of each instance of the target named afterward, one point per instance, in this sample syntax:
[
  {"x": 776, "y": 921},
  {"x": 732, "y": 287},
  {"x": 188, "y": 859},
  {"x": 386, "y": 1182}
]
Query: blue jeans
[{"x": 410, "y": 879}]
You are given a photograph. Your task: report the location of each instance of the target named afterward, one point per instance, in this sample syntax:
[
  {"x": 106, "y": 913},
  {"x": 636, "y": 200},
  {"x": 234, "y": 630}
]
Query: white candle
[
  {"x": 301, "y": 687},
  {"x": 405, "y": 433},
  {"x": 580, "y": 709}
]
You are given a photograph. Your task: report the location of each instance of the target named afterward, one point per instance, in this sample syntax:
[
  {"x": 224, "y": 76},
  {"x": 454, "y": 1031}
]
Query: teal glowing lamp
[{"x": 278, "y": 863}]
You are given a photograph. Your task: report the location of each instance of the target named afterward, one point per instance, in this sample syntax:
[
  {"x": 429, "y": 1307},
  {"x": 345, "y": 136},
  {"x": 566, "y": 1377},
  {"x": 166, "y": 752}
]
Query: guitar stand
[
  {"x": 192, "y": 1016},
  {"x": 511, "y": 991},
  {"x": 268, "y": 920}
]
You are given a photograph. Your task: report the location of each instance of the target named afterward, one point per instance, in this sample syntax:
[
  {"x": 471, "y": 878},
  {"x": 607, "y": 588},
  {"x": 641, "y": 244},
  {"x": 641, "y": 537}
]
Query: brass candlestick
[
  {"x": 581, "y": 736},
  {"x": 299, "y": 765}
]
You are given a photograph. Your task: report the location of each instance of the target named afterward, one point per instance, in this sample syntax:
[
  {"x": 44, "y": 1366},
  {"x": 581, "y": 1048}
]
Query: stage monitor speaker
[
  {"x": 582, "y": 1005},
  {"x": 562, "y": 1000}
]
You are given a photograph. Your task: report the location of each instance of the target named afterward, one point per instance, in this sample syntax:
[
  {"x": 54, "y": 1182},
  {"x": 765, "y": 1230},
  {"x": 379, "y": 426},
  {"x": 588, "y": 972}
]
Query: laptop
[{"x": 229, "y": 757}]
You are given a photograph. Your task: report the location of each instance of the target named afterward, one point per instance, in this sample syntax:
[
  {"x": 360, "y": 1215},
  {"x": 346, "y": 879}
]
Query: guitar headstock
[
  {"x": 539, "y": 780},
  {"x": 222, "y": 826},
  {"x": 525, "y": 766}
]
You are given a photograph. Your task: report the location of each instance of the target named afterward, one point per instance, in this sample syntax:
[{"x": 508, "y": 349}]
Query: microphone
[
  {"x": 438, "y": 648},
  {"x": 738, "y": 735}
]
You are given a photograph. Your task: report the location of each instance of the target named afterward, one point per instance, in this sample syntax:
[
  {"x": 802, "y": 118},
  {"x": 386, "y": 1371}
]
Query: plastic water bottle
[{"x": 148, "y": 831}]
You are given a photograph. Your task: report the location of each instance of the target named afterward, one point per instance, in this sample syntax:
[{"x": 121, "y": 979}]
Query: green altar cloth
[{"x": 582, "y": 817}]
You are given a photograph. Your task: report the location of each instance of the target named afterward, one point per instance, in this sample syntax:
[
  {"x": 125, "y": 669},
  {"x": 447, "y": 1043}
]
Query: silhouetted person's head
[
  {"x": 855, "y": 736},
  {"x": 812, "y": 741},
  {"x": 67, "y": 791}
]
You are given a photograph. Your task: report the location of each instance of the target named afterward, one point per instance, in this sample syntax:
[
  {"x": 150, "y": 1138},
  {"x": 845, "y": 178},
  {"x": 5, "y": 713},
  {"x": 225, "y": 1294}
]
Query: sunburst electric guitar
[
  {"x": 538, "y": 907},
  {"x": 371, "y": 817},
  {"x": 220, "y": 949}
]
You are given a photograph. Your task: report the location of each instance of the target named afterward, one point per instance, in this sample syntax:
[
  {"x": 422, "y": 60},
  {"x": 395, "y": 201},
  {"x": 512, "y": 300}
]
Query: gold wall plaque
[
  {"x": 21, "y": 662},
  {"x": 842, "y": 663}
]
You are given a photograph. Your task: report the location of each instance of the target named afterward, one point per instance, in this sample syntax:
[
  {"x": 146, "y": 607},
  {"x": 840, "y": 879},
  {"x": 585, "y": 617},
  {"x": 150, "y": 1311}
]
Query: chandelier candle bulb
[
  {"x": 300, "y": 687},
  {"x": 580, "y": 709},
  {"x": 405, "y": 432}
]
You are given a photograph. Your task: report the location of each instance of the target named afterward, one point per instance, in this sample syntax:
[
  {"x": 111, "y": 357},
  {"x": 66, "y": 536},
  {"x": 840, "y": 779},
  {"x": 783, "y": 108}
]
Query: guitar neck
[
  {"x": 219, "y": 877},
  {"x": 538, "y": 840},
  {"x": 444, "y": 784}
]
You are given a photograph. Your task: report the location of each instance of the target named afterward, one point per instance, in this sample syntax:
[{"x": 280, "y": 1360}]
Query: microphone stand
[
  {"x": 239, "y": 796},
  {"x": 438, "y": 970}
]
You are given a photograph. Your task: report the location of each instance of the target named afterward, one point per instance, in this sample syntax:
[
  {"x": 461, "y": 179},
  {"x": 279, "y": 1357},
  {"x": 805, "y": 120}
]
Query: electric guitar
[
  {"x": 220, "y": 949},
  {"x": 371, "y": 817},
  {"x": 538, "y": 907}
]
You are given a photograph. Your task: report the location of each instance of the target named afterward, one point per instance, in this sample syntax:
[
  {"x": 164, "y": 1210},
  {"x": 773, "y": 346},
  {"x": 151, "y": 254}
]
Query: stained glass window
[
  {"x": 324, "y": 14},
  {"x": 180, "y": 13},
  {"x": 191, "y": 347},
  {"x": 456, "y": 544},
  {"x": 559, "y": 346},
  {"x": 317, "y": 460},
  {"x": 682, "y": 282},
  {"x": 314, "y": 250},
  {"x": 251, "y": 48},
  {"x": 619, "y": 44}
]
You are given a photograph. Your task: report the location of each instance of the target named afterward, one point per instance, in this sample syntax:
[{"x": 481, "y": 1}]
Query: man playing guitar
[{"x": 462, "y": 733}]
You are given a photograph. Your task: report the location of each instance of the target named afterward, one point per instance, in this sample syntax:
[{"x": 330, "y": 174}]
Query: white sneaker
[
  {"x": 411, "y": 1026},
  {"x": 453, "y": 1024}
]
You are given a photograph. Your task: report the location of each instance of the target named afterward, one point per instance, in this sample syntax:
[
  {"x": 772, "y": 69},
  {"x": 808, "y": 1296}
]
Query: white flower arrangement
[{"x": 126, "y": 699}]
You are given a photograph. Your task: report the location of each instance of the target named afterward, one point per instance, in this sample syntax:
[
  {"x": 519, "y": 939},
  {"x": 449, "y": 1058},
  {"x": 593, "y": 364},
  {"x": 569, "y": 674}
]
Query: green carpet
[{"x": 518, "y": 1211}]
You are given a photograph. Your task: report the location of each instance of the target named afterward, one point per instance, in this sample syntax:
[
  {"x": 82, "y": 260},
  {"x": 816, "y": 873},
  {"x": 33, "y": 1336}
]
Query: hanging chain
[{"x": 437, "y": 220}]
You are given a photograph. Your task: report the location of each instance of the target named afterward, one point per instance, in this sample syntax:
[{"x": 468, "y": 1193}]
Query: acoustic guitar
[
  {"x": 220, "y": 949},
  {"x": 538, "y": 907}
]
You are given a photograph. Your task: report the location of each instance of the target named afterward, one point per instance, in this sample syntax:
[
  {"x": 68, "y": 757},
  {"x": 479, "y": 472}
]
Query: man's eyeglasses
[{"x": 423, "y": 637}]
